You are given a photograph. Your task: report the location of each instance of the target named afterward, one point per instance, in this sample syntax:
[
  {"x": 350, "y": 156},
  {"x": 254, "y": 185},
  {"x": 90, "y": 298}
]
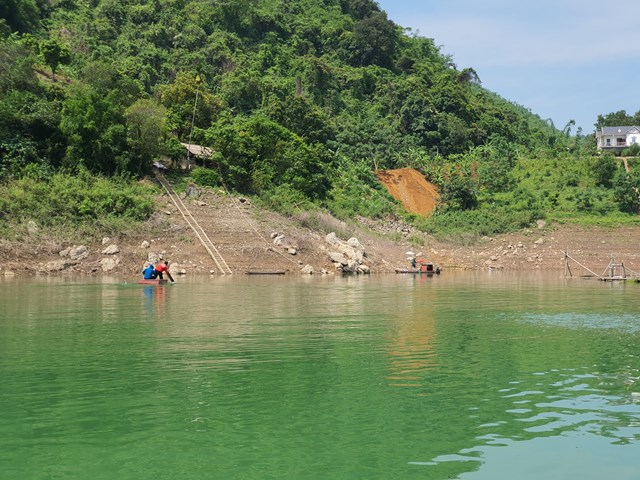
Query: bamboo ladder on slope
[{"x": 197, "y": 229}]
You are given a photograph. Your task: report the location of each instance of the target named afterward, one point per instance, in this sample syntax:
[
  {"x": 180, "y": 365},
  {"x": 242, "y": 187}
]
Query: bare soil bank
[
  {"x": 410, "y": 188},
  {"x": 244, "y": 234}
]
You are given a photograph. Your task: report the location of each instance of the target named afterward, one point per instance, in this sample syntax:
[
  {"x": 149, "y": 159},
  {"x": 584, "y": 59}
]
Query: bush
[
  {"x": 626, "y": 188},
  {"x": 476, "y": 223},
  {"x": 632, "y": 151},
  {"x": 356, "y": 191},
  {"x": 80, "y": 202},
  {"x": 604, "y": 169},
  {"x": 205, "y": 177},
  {"x": 285, "y": 199}
]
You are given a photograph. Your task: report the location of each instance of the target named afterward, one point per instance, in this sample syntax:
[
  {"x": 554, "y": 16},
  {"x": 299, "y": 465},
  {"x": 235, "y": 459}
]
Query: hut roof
[{"x": 197, "y": 150}]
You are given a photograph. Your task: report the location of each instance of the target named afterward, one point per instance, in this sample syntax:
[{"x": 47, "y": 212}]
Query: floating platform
[
  {"x": 155, "y": 281},
  {"x": 419, "y": 271},
  {"x": 420, "y": 266},
  {"x": 266, "y": 272}
]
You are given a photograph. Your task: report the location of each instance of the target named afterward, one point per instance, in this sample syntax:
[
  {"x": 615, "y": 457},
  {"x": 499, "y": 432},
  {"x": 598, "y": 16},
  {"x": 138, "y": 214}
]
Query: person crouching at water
[
  {"x": 163, "y": 268},
  {"x": 149, "y": 272}
]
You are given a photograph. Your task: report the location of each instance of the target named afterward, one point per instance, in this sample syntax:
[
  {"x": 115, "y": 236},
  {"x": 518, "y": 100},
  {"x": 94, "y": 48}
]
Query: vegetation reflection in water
[{"x": 461, "y": 376}]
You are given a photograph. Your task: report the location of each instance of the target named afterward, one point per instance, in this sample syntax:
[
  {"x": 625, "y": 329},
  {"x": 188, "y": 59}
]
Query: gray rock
[
  {"x": 332, "y": 239},
  {"x": 364, "y": 269},
  {"x": 339, "y": 258},
  {"x": 145, "y": 244},
  {"x": 105, "y": 240},
  {"x": 78, "y": 253},
  {"x": 108, "y": 264},
  {"x": 58, "y": 265},
  {"x": 351, "y": 267},
  {"x": 355, "y": 244},
  {"x": 307, "y": 270},
  {"x": 111, "y": 250},
  {"x": 192, "y": 191}
]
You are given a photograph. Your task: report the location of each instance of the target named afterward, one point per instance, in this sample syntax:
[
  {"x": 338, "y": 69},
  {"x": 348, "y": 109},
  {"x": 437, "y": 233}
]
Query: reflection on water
[
  {"x": 412, "y": 340},
  {"x": 460, "y": 376}
]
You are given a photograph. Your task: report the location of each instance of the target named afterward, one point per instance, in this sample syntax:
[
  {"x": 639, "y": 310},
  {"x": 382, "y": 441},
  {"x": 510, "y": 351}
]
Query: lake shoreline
[{"x": 251, "y": 239}]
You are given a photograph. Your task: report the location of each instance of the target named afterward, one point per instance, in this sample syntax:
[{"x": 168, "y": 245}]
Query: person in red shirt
[{"x": 163, "y": 268}]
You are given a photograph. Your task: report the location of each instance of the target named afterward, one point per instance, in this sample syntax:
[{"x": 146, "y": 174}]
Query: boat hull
[
  {"x": 155, "y": 281},
  {"x": 417, "y": 271},
  {"x": 265, "y": 272}
]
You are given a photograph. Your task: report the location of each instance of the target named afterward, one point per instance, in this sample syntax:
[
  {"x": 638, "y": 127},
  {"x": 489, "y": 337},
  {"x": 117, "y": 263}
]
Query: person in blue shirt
[{"x": 149, "y": 273}]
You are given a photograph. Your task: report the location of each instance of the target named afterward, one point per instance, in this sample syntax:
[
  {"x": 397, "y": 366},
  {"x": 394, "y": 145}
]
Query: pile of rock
[{"x": 347, "y": 257}]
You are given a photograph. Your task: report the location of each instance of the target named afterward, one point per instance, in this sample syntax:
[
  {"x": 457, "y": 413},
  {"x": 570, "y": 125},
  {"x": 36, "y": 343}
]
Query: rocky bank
[{"x": 254, "y": 240}]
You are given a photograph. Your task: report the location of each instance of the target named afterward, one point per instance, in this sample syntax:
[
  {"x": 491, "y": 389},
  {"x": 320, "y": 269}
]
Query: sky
[{"x": 562, "y": 59}]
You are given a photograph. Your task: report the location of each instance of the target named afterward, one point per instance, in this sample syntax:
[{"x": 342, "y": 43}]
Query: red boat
[
  {"x": 422, "y": 267},
  {"x": 154, "y": 281}
]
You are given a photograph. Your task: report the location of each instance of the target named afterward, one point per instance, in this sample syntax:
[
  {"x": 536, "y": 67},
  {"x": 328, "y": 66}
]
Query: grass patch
[
  {"x": 83, "y": 205},
  {"x": 610, "y": 220}
]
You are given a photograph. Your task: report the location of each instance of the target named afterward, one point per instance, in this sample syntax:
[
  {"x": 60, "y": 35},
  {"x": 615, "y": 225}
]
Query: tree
[
  {"x": 257, "y": 154},
  {"x": 469, "y": 76},
  {"x": 146, "y": 130},
  {"x": 604, "y": 170},
  {"x": 374, "y": 41},
  {"x": 359, "y": 8},
  {"x": 627, "y": 191},
  {"x": 614, "y": 119},
  {"x": 20, "y": 15},
  {"x": 303, "y": 117},
  {"x": 460, "y": 192},
  {"x": 567, "y": 128},
  {"x": 179, "y": 98},
  {"x": 94, "y": 126},
  {"x": 16, "y": 71},
  {"x": 54, "y": 54}
]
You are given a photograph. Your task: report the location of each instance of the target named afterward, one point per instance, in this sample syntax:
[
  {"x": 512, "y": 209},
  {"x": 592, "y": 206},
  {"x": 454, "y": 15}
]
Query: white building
[{"x": 617, "y": 138}]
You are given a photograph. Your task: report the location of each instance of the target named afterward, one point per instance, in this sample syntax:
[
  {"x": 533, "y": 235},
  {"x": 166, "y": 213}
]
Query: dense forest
[{"x": 300, "y": 101}]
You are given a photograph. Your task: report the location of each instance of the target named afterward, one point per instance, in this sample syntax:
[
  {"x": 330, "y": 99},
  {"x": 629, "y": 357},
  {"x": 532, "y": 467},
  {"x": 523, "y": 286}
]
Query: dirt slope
[{"x": 409, "y": 187}]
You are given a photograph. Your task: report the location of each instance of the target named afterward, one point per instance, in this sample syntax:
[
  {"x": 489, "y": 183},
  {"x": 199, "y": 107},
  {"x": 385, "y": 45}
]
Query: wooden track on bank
[{"x": 220, "y": 263}]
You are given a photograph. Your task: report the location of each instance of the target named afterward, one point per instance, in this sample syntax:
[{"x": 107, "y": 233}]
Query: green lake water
[{"x": 465, "y": 375}]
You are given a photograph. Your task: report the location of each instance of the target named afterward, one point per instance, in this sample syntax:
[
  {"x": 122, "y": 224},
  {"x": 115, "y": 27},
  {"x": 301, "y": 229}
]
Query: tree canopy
[{"x": 289, "y": 93}]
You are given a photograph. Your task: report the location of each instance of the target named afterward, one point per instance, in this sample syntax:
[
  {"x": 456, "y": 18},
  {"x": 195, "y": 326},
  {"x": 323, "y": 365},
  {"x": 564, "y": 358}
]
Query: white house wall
[{"x": 631, "y": 137}]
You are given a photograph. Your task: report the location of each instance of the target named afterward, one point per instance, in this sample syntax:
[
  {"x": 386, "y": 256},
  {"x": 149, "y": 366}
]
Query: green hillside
[{"x": 300, "y": 101}]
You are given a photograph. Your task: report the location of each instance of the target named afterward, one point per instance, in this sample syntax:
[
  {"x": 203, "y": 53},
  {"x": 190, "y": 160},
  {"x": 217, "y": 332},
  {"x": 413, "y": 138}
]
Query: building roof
[
  {"x": 617, "y": 130},
  {"x": 197, "y": 150}
]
